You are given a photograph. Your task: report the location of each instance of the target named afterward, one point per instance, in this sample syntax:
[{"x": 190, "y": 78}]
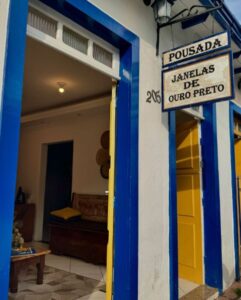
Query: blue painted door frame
[
  {"x": 126, "y": 196},
  {"x": 9, "y": 130},
  {"x": 211, "y": 202},
  {"x": 173, "y": 235}
]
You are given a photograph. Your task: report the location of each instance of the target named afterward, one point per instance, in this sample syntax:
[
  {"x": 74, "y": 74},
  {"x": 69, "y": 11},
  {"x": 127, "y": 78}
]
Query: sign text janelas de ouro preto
[{"x": 199, "y": 82}]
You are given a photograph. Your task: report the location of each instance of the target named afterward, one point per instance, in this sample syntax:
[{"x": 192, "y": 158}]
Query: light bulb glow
[{"x": 61, "y": 87}]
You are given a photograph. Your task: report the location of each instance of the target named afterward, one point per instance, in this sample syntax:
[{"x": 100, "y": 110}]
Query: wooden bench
[{"x": 86, "y": 238}]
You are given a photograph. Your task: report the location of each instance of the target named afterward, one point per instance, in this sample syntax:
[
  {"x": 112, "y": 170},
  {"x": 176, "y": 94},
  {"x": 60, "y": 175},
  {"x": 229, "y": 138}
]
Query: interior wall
[
  {"x": 4, "y": 6},
  {"x": 85, "y": 130}
]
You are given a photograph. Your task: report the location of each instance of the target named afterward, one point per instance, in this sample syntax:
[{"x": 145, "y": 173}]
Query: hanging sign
[
  {"x": 209, "y": 79},
  {"x": 206, "y": 46}
]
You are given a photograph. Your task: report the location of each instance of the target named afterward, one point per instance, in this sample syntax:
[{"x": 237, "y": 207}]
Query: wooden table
[{"x": 21, "y": 262}]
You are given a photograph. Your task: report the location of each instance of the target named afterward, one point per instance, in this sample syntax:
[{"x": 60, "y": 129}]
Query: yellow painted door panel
[
  {"x": 237, "y": 147},
  {"x": 238, "y": 157},
  {"x": 189, "y": 203},
  {"x": 109, "y": 264},
  {"x": 238, "y": 166}
]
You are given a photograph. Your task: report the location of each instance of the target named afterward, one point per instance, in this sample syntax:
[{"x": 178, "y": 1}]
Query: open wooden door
[
  {"x": 237, "y": 148},
  {"x": 189, "y": 202},
  {"x": 109, "y": 269},
  {"x": 238, "y": 157}
]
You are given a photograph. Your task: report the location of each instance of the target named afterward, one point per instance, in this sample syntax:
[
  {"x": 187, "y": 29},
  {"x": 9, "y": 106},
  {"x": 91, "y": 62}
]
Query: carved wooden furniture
[
  {"x": 22, "y": 261},
  {"x": 87, "y": 237}
]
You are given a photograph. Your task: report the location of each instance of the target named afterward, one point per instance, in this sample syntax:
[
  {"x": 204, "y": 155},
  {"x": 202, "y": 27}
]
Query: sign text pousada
[{"x": 206, "y": 46}]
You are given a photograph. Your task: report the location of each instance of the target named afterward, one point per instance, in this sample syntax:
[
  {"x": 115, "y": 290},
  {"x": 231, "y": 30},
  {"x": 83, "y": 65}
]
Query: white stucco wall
[
  {"x": 138, "y": 18},
  {"x": 153, "y": 185},
  {"x": 4, "y": 9},
  {"x": 85, "y": 131},
  {"x": 133, "y": 14},
  {"x": 225, "y": 186},
  {"x": 153, "y": 150}
]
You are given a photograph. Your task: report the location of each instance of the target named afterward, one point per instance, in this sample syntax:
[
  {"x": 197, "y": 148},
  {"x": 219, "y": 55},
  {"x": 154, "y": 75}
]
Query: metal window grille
[
  {"x": 42, "y": 22},
  {"x": 75, "y": 40},
  {"x": 102, "y": 55}
]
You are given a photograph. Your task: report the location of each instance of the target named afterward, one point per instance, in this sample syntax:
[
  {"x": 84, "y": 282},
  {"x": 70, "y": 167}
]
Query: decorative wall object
[
  {"x": 17, "y": 239},
  {"x": 103, "y": 155}
]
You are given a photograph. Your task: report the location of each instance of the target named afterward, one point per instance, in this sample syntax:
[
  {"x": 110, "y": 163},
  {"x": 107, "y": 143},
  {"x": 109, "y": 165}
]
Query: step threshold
[{"x": 202, "y": 292}]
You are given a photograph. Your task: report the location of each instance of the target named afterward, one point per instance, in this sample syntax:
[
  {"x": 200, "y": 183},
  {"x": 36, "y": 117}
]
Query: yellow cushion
[{"x": 66, "y": 213}]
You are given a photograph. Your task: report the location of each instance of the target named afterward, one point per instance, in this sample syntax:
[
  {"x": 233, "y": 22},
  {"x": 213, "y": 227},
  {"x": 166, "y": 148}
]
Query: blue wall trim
[
  {"x": 9, "y": 134},
  {"x": 93, "y": 19},
  {"x": 126, "y": 197},
  {"x": 236, "y": 55},
  {"x": 126, "y": 204},
  {"x": 211, "y": 200},
  {"x": 227, "y": 20},
  {"x": 211, "y": 203},
  {"x": 173, "y": 235},
  {"x": 234, "y": 109}
]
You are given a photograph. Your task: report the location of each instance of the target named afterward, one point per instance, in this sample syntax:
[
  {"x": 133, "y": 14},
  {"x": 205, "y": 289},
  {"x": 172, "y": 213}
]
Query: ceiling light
[{"x": 61, "y": 88}]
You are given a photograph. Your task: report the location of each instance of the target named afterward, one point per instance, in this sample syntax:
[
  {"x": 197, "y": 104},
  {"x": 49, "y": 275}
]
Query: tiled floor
[
  {"x": 95, "y": 296},
  {"x": 57, "y": 285},
  {"x": 73, "y": 265},
  {"x": 79, "y": 267},
  {"x": 76, "y": 266}
]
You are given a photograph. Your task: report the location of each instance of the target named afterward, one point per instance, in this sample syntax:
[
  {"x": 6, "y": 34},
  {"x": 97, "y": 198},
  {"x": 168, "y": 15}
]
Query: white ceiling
[{"x": 44, "y": 67}]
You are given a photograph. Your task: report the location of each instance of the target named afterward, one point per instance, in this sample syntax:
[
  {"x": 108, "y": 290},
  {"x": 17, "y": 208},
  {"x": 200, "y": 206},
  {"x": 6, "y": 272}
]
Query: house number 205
[{"x": 153, "y": 96}]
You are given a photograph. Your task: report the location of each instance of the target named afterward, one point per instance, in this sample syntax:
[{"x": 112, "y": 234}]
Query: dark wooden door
[{"x": 58, "y": 183}]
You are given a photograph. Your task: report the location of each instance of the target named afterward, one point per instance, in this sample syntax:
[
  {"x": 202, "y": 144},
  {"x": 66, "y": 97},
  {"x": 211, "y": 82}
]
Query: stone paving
[
  {"x": 200, "y": 293},
  {"x": 230, "y": 293}
]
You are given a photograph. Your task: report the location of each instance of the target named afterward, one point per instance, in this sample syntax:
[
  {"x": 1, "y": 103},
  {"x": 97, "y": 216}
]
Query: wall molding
[{"x": 66, "y": 110}]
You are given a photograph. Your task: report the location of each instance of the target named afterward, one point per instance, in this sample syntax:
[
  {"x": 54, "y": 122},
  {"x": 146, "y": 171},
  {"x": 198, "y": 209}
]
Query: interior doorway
[
  {"x": 189, "y": 208},
  {"x": 128, "y": 44},
  {"x": 58, "y": 183},
  {"x": 80, "y": 173}
]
